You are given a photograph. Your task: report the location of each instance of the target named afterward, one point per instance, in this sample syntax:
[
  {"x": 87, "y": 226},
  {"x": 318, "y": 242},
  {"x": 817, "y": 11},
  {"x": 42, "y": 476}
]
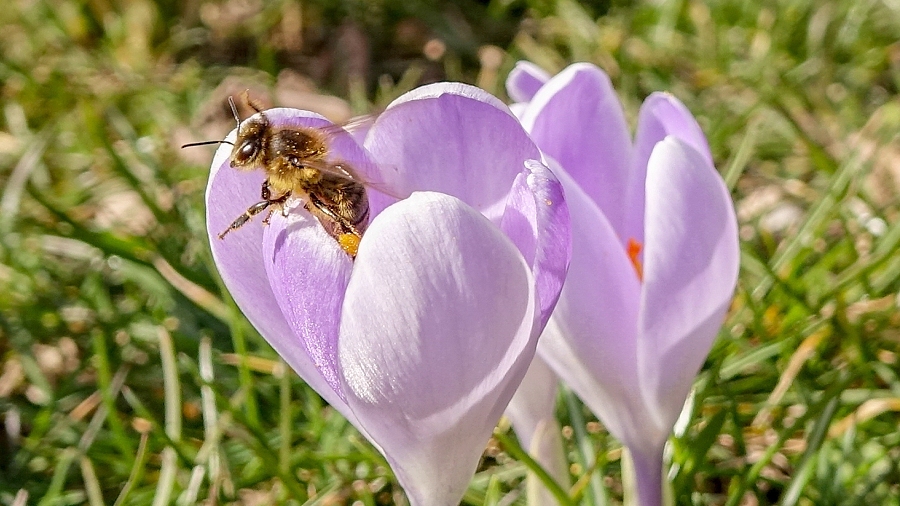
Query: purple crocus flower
[
  {"x": 422, "y": 340},
  {"x": 655, "y": 254}
]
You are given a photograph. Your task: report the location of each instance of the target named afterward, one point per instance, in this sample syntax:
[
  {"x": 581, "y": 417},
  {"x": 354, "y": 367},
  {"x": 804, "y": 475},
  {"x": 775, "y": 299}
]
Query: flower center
[{"x": 634, "y": 250}]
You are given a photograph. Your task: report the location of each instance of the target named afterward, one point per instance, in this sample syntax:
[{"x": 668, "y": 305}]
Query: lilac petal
[
  {"x": 240, "y": 259},
  {"x": 576, "y": 119},
  {"x": 537, "y": 220},
  {"x": 525, "y": 80},
  {"x": 308, "y": 273},
  {"x": 518, "y": 109},
  {"x": 590, "y": 339},
  {"x": 454, "y": 139},
  {"x": 439, "y": 326},
  {"x": 690, "y": 273},
  {"x": 661, "y": 115},
  {"x": 437, "y": 90}
]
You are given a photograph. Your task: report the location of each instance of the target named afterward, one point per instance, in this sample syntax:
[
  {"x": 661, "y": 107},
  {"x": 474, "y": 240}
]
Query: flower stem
[
  {"x": 648, "y": 477},
  {"x": 516, "y": 451}
]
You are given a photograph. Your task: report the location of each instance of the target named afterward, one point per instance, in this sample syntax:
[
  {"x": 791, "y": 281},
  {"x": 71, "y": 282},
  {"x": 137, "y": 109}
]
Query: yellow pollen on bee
[
  {"x": 634, "y": 250},
  {"x": 349, "y": 243}
]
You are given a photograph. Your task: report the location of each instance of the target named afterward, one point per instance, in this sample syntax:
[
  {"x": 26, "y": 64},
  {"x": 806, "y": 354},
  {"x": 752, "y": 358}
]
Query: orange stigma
[{"x": 634, "y": 250}]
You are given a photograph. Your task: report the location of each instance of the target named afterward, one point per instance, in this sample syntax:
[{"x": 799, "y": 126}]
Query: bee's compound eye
[{"x": 246, "y": 152}]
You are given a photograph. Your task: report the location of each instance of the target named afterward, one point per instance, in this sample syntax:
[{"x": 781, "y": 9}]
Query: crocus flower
[
  {"x": 422, "y": 340},
  {"x": 655, "y": 254}
]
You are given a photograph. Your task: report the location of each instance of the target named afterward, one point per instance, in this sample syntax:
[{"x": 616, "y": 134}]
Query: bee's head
[
  {"x": 251, "y": 136},
  {"x": 249, "y": 145}
]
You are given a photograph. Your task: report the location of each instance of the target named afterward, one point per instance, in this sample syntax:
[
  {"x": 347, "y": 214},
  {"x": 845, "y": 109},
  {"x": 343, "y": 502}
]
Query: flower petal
[
  {"x": 454, "y": 139},
  {"x": 438, "y": 329},
  {"x": 690, "y": 273},
  {"x": 647, "y": 466},
  {"x": 437, "y": 90},
  {"x": 576, "y": 119},
  {"x": 590, "y": 338},
  {"x": 308, "y": 273},
  {"x": 537, "y": 220},
  {"x": 661, "y": 114},
  {"x": 525, "y": 80},
  {"x": 240, "y": 258}
]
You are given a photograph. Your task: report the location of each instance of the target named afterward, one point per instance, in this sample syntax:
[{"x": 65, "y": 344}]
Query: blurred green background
[{"x": 121, "y": 380}]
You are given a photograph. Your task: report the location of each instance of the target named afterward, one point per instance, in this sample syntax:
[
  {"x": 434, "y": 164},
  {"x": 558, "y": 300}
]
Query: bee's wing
[
  {"x": 336, "y": 169},
  {"x": 350, "y": 126},
  {"x": 356, "y": 123},
  {"x": 341, "y": 170},
  {"x": 345, "y": 171}
]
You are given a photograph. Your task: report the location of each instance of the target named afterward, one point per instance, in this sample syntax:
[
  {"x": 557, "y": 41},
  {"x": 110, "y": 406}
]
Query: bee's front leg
[
  {"x": 257, "y": 208},
  {"x": 244, "y": 218}
]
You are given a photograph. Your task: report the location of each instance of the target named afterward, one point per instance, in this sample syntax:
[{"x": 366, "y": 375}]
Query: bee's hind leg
[
  {"x": 346, "y": 227},
  {"x": 345, "y": 233}
]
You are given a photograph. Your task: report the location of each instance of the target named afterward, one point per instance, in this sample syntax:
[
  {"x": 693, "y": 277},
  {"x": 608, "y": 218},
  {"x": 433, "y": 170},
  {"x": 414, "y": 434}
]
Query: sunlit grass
[{"x": 130, "y": 376}]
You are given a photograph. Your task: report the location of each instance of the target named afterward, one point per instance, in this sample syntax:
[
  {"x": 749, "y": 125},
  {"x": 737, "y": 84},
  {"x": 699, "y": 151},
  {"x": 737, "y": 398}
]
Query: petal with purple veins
[{"x": 590, "y": 338}]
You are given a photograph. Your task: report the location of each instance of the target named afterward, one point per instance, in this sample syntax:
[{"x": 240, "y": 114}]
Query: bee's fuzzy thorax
[{"x": 295, "y": 162}]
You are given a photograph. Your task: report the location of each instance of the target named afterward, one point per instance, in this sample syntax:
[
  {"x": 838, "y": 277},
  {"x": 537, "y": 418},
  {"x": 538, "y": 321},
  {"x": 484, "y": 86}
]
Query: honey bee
[{"x": 294, "y": 159}]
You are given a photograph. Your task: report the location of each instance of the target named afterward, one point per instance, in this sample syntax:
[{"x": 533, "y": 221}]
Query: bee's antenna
[
  {"x": 252, "y": 103},
  {"x": 204, "y": 143},
  {"x": 234, "y": 110}
]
